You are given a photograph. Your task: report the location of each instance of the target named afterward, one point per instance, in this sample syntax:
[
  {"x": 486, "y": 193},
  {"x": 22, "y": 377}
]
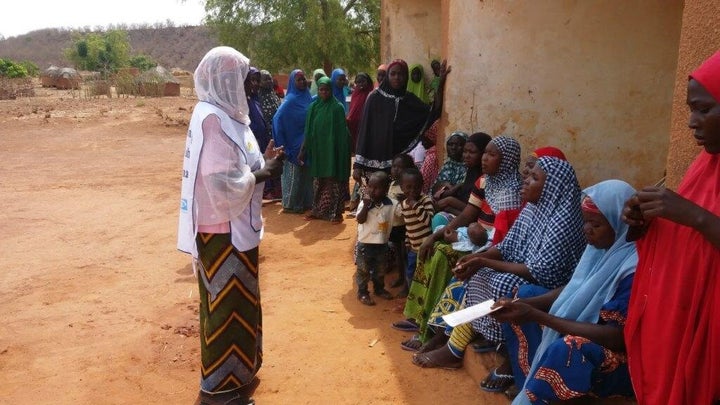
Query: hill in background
[{"x": 171, "y": 47}]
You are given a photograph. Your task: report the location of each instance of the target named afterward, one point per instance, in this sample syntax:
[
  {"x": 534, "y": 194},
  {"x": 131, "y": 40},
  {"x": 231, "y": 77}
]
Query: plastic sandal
[
  {"x": 502, "y": 382},
  {"x": 406, "y": 325}
]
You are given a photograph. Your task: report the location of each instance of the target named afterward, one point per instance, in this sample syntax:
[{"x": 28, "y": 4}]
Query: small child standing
[
  {"x": 375, "y": 220},
  {"x": 417, "y": 211},
  {"x": 400, "y": 163}
]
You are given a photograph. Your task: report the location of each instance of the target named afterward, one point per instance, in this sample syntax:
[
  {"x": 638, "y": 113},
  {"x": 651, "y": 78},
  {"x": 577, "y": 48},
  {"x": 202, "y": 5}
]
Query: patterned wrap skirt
[{"x": 230, "y": 314}]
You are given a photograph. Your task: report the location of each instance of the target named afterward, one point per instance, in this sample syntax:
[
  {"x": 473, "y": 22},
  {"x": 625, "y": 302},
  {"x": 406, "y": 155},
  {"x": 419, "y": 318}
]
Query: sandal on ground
[
  {"x": 501, "y": 382},
  {"x": 384, "y": 294},
  {"x": 336, "y": 220},
  {"x": 425, "y": 361},
  {"x": 406, "y": 325},
  {"x": 412, "y": 344},
  {"x": 310, "y": 217},
  {"x": 366, "y": 300}
]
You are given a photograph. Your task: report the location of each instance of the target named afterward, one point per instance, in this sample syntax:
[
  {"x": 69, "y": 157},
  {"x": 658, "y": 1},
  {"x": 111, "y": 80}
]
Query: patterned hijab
[
  {"x": 551, "y": 242},
  {"x": 502, "y": 190},
  {"x": 220, "y": 80},
  {"x": 269, "y": 100}
]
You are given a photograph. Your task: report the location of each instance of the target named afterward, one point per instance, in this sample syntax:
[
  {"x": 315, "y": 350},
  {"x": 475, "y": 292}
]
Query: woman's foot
[
  {"x": 437, "y": 341},
  {"x": 499, "y": 379},
  {"x": 412, "y": 344},
  {"x": 310, "y": 217},
  {"x": 438, "y": 358},
  {"x": 336, "y": 220}
]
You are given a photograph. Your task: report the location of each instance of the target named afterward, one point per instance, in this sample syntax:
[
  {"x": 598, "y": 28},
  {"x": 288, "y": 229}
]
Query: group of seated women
[{"x": 558, "y": 267}]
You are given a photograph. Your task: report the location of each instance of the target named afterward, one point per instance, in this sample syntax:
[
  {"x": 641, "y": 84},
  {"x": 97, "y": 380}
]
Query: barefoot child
[
  {"x": 400, "y": 163},
  {"x": 417, "y": 212},
  {"x": 375, "y": 220}
]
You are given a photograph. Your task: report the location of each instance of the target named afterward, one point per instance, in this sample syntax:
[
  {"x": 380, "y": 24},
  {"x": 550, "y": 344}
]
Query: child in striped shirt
[{"x": 417, "y": 211}]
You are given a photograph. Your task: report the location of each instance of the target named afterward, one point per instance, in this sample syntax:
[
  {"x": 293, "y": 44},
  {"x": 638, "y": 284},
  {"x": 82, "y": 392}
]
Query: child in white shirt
[{"x": 375, "y": 221}]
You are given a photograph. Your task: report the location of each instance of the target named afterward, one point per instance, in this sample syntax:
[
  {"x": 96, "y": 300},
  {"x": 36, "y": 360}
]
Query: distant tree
[
  {"x": 282, "y": 35},
  {"x": 103, "y": 52},
  {"x": 11, "y": 69},
  {"x": 142, "y": 62}
]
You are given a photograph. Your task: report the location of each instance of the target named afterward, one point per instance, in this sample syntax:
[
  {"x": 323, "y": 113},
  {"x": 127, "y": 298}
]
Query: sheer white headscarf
[{"x": 220, "y": 78}]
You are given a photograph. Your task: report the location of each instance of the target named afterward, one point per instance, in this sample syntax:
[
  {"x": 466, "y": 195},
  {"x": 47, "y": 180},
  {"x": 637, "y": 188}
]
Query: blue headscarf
[
  {"x": 289, "y": 120},
  {"x": 599, "y": 272},
  {"x": 338, "y": 91}
]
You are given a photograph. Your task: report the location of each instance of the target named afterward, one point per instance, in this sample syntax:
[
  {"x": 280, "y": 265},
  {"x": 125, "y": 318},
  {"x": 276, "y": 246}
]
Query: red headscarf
[
  {"x": 708, "y": 74},
  {"x": 550, "y": 151}
]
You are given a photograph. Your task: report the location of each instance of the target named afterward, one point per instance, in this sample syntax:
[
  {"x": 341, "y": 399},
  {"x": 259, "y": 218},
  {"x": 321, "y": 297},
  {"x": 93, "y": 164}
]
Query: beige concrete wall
[
  {"x": 592, "y": 77},
  {"x": 411, "y": 30},
  {"x": 700, "y": 38}
]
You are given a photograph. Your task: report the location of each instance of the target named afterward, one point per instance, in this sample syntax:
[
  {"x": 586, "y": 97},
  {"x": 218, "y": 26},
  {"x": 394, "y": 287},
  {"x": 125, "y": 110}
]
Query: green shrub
[{"x": 11, "y": 69}]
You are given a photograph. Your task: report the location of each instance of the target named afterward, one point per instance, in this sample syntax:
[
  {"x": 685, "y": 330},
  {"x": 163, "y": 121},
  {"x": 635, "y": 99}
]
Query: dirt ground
[{"x": 100, "y": 308}]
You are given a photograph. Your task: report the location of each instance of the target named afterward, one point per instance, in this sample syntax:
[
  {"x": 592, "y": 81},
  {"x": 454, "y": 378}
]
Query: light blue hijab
[{"x": 599, "y": 271}]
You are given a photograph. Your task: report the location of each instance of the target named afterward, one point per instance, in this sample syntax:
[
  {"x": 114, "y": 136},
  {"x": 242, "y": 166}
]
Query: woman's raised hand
[
  {"x": 271, "y": 152},
  {"x": 444, "y": 69}
]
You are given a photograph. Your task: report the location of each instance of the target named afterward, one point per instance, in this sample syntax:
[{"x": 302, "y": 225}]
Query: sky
[{"x": 38, "y": 14}]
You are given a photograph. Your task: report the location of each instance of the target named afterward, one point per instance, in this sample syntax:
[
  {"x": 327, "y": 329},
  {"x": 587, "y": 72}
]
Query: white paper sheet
[{"x": 470, "y": 313}]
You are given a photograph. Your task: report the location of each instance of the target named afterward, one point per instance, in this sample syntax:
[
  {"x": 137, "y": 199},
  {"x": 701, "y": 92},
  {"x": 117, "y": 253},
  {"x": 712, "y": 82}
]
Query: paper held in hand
[{"x": 470, "y": 313}]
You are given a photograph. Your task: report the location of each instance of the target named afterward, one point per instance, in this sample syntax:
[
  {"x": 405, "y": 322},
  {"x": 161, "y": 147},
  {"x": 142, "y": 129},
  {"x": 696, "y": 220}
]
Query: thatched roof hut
[
  {"x": 158, "y": 82},
  {"x": 49, "y": 76},
  {"x": 68, "y": 78}
]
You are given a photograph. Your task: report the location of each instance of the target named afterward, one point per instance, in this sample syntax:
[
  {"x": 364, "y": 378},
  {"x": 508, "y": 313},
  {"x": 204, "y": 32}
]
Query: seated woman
[
  {"x": 542, "y": 247},
  {"x": 495, "y": 200},
  {"x": 570, "y": 340},
  {"x": 450, "y": 201},
  {"x": 453, "y": 170},
  {"x": 532, "y": 158}
]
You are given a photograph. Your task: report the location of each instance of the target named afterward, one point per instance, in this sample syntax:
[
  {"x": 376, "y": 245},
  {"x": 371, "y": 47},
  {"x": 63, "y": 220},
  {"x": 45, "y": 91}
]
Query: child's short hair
[
  {"x": 382, "y": 177},
  {"x": 415, "y": 172},
  {"x": 407, "y": 160}
]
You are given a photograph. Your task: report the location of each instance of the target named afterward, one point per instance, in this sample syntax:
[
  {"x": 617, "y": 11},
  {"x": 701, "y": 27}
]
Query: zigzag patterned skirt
[{"x": 230, "y": 315}]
